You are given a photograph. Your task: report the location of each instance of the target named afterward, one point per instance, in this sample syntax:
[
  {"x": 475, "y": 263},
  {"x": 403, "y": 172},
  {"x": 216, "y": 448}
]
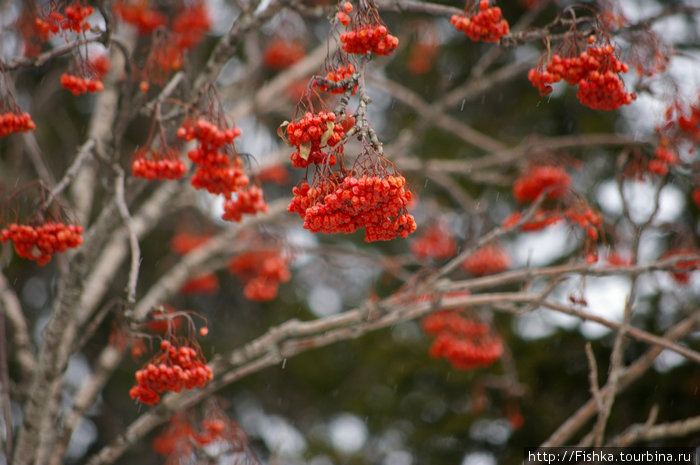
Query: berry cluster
[
  {"x": 41, "y": 242},
  {"x": 281, "y": 54},
  {"x": 249, "y": 201},
  {"x": 183, "y": 439},
  {"x": 595, "y": 71},
  {"x": 317, "y": 157},
  {"x": 139, "y": 14},
  {"x": 191, "y": 24},
  {"x": 336, "y": 75},
  {"x": 436, "y": 242},
  {"x": 587, "y": 219},
  {"x": 373, "y": 38},
  {"x": 552, "y": 180},
  {"x": 489, "y": 259},
  {"x": 343, "y": 13},
  {"x": 663, "y": 157},
  {"x": 174, "y": 369},
  {"x": 157, "y": 164},
  {"x": 466, "y": 344},
  {"x": 15, "y": 122},
  {"x": 73, "y": 19},
  {"x": 310, "y": 134},
  {"x": 216, "y": 171},
  {"x": 487, "y": 25},
  {"x": 261, "y": 271},
  {"x": 376, "y": 203},
  {"x": 79, "y": 85},
  {"x": 315, "y": 131}
]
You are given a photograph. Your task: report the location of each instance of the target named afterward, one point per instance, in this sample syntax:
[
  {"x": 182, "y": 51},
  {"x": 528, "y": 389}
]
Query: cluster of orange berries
[
  {"x": 587, "y": 219},
  {"x": 191, "y": 24},
  {"x": 337, "y": 75},
  {"x": 373, "y": 38},
  {"x": 489, "y": 259},
  {"x": 140, "y": 15},
  {"x": 249, "y": 201},
  {"x": 553, "y": 180},
  {"x": 216, "y": 171},
  {"x": 15, "y": 122},
  {"x": 39, "y": 243},
  {"x": 281, "y": 53},
  {"x": 79, "y": 85},
  {"x": 465, "y": 343},
  {"x": 663, "y": 157},
  {"x": 174, "y": 369},
  {"x": 261, "y": 271},
  {"x": 310, "y": 134},
  {"x": 315, "y": 130},
  {"x": 183, "y": 437},
  {"x": 436, "y": 242},
  {"x": 596, "y": 72},
  {"x": 343, "y": 13},
  {"x": 487, "y": 25},
  {"x": 73, "y": 19},
  {"x": 376, "y": 203},
  {"x": 158, "y": 164}
]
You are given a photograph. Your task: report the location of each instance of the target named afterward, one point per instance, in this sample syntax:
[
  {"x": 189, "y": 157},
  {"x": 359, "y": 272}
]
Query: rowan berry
[
  {"x": 15, "y": 122},
  {"x": 40, "y": 243},
  {"x": 553, "y": 180},
  {"x": 487, "y": 25},
  {"x": 489, "y": 259}
]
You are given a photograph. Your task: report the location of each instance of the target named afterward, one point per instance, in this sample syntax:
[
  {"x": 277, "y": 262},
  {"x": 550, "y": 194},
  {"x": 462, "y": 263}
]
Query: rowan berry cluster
[
  {"x": 586, "y": 219},
  {"x": 281, "y": 53},
  {"x": 344, "y": 12},
  {"x": 336, "y": 75},
  {"x": 465, "y": 343},
  {"x": 248, "y": 201},
  {"x": 15, "y": 122},
  {"x": 79, "y": 85},
  {"x": 487, "y": 25},
  {"x": 184, "y": 436},
  {"x": 554, "y": 181},
  {"x": 139, "y": 14},
  {"x": 191, "y": 24},
  {"x": 315, "y": 131},
  {"x": 436, "y": 242},
  {"x": 489, "y": 259},
  {"x": 596, "y": 72},
  {"x": 157, "y": 164},
  {"x": 372, "y": 38},
  {"x": 261, "y": 271},
  {"x": 376, "y": 203},
  {"x": 39, "y": 243},
  {"x": 74, "y": 18},
  {"x": 216, "y": 171},
  {"x": 176, "y": 367}
]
